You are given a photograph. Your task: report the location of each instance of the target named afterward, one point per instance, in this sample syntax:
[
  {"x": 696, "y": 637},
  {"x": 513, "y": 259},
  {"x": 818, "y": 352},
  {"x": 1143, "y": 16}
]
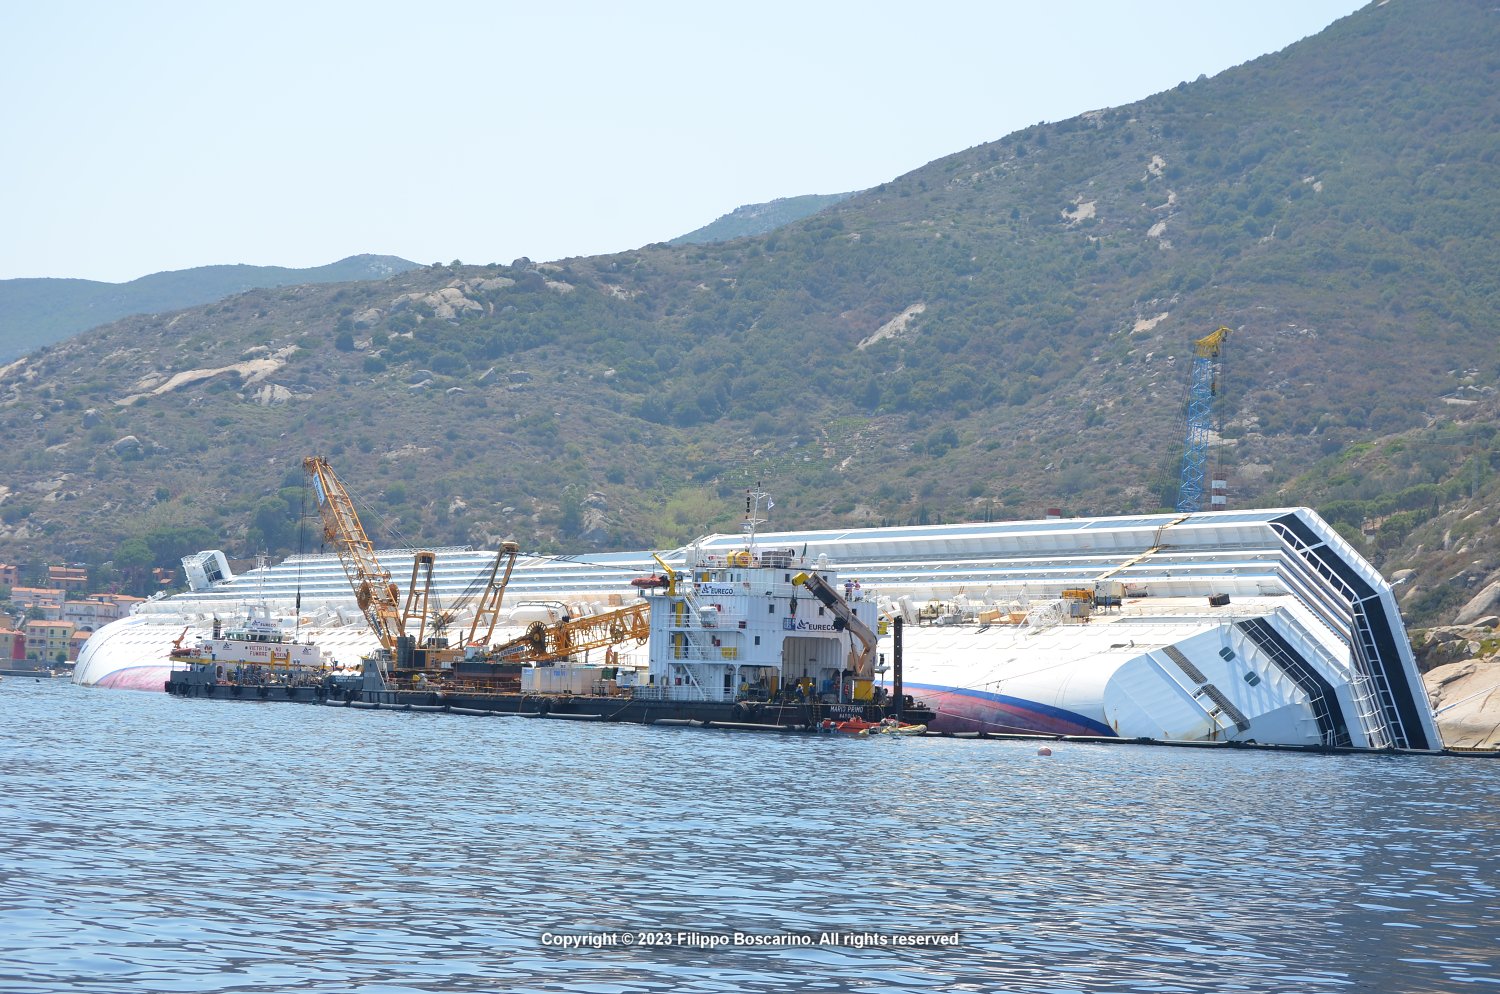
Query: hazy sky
[{"x": 146, "y": 136}]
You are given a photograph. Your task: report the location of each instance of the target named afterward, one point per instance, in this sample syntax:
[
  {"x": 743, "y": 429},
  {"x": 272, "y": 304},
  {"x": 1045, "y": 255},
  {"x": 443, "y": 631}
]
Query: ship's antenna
[
  {"x": 753, "y": 501},
  {"x": 262, "y": 560}
]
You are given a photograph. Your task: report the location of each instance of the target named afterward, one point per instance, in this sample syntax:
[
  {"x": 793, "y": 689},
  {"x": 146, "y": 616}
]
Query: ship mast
[{"x": 753, "y": 501}]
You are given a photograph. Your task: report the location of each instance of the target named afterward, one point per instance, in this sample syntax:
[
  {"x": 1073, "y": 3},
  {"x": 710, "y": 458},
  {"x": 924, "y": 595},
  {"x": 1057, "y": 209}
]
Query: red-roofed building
[
  {"x": 73, "y": 579},
  {"x": 9, "y": 575},
  {"x": 46, "y": 599},
  {"x": 12, "y": 645},
  {"x": 125, "y": 602},
  {"x": 92, "y": 612}
]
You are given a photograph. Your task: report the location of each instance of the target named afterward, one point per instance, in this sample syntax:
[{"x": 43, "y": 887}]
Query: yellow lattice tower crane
[{"x": 373, "y": 590}]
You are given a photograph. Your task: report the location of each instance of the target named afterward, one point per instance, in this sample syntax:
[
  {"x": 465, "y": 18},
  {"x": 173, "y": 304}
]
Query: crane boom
[
  {"x": 544, "y": 643},
  {"x": 844, "y": 617},
  {"x": 371, "y": 582},
  {"x": 1205, "y": 383},
  {"x": 487, "y": 610},
  {"x": 419, "y": 595}
]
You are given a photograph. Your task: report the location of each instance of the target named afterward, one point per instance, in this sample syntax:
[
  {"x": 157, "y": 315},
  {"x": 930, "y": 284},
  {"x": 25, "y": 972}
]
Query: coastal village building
[
  {"x": 9, "y": 575},
  {"x": 73, "y": 579},
  {"x": 124, "y": 602},
  {"x": 12, "y": 645},
  {"x": 45, "y": 599},
  {"x": 46, "y": 640},
  {"x": 93, "y": 612}
]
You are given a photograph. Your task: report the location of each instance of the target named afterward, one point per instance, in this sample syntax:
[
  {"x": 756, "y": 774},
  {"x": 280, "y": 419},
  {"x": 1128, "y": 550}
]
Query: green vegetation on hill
[
  {"x": 758, "y": 219},
  {"x": 999, "y": 331},
  {"x": 37, "y": 312}
]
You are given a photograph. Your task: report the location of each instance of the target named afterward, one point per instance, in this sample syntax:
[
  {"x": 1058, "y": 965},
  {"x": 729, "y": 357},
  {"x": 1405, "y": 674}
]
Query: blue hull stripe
[{"x": 1021, "y": 704}]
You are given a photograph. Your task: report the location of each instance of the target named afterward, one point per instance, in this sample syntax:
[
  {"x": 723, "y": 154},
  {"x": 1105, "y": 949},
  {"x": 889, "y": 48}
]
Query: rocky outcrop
[
  {"x": 1487, "y": 601},
  {"x": 452, "y": 301},
  {"x": 1460, "y": 667},
  {"x": 249, "y": 373},
  {"x": 1465, "y": 700},
  {"x": 1437, "y": 647},
  {"x": 270, "y": 394},
  {"x": 896, "y": 326}
]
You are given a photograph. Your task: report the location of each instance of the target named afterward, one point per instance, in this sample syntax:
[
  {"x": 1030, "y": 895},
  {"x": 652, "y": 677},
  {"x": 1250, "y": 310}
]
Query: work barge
[{"x": 755, "y": 639}]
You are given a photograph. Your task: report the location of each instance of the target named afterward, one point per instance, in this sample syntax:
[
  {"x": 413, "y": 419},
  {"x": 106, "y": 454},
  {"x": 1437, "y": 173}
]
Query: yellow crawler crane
[
  {"x": 555, "y": 642},
  {"x": 487, "y": 610},
  {"x": 431, "y": 648},
  {"x": 373, "y": 590},
  {"x": 420, "y": 601}
]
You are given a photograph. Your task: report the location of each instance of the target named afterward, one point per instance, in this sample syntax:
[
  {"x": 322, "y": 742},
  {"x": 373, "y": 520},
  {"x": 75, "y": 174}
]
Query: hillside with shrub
[
  {"x": 759, "y": 219},
  {"x": 1000, "y": 331},
  {"x": 38, "y": 312}
]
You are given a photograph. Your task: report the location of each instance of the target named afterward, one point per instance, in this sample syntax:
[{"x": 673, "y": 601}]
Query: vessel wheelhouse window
[
  {"x": 770, "y": 608},
  {"x": 1252, "y": 678},
  {"x": 757, "y": 640}
]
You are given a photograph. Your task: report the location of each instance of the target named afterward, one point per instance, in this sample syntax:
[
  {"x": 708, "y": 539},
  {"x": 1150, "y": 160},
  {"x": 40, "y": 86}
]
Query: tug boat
[{"x": 257, "y": 652}]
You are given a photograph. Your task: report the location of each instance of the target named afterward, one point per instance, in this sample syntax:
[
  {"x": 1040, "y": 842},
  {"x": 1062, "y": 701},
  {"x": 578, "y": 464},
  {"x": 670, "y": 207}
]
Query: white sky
[{"x": 147, "y": 136}]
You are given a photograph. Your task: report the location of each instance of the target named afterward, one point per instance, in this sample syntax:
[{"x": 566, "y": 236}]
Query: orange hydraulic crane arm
[
  {"x": 864, "y": 664},
  {"x": 373, "y": 589},
  {"x": 487, "y": 611},
  {"x": 549, "y": 642}
]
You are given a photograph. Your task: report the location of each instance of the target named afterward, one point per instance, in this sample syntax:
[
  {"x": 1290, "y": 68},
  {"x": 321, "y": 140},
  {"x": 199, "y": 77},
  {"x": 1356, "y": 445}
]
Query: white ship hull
[{"x": 1302, "y": 645}]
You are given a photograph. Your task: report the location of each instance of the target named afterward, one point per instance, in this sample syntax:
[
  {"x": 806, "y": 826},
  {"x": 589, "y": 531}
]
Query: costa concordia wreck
[{"x": 1246, "y": 626}]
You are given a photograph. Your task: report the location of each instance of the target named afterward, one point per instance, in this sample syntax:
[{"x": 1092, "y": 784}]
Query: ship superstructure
[
  {"x": 737, "y": 625},
  {"x": 254, "y": 650}
]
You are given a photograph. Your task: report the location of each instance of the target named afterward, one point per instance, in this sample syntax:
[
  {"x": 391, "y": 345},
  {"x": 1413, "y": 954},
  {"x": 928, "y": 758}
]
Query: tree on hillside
[{"x": 133, "y": 560}]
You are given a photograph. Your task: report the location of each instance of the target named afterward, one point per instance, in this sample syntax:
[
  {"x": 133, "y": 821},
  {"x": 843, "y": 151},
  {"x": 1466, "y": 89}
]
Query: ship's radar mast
[{"x": 754, "y": 499}]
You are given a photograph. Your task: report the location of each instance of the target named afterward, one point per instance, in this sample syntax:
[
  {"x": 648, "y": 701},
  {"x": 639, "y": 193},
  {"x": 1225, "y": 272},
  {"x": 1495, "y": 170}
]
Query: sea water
[{"x": 159, "y": 844}]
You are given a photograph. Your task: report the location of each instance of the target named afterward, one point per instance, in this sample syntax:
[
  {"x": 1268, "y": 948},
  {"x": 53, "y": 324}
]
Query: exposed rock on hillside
[
  {"x": 249, "y": 372},
  {"x": 1461, "y": 668},
  {"x": 1486, "y": 602},
  {"x": 1466, "y": 700},
  {"x": 1050, "y": 368}
]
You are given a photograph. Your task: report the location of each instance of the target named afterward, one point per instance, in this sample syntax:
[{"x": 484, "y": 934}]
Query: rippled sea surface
[{"x": 159, "y": 844}]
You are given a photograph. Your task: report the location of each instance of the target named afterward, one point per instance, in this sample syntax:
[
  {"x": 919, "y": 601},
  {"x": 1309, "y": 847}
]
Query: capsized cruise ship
[{"x": 1253, "y": 626}]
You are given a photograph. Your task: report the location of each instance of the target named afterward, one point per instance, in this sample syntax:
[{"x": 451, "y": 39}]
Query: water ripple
[{"x": 155, "y": 844}]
